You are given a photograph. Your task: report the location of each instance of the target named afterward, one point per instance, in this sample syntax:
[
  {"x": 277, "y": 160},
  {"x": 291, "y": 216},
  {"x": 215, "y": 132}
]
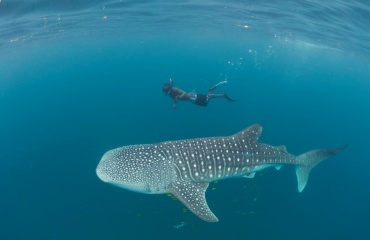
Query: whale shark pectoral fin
[{"x": 192, "y": 195}]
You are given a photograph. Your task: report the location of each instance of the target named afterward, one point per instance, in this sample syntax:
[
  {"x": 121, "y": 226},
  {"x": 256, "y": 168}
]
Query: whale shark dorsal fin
[
  {"x": 251, "y": 133},
  {"x": 192, "y": 195}
]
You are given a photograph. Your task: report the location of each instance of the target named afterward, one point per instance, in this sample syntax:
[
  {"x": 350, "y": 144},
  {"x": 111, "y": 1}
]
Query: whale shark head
[
  {"x": 120, "y": 172},
  {"x": 140, "y": 168}
]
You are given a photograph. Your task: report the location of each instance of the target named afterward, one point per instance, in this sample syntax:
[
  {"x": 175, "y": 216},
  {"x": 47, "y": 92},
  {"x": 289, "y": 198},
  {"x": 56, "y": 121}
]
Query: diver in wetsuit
[{"x": 196, "y": 98}]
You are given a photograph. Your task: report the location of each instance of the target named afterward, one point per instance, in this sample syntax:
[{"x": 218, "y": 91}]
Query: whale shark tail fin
[{"x": 308, "y": 160}]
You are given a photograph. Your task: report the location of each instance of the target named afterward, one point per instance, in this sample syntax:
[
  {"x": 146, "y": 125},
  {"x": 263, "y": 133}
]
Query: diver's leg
[
  {"x": 229, "y": 98},
  {"x": 213, "y": 87},
  {"x": 223, "y": 95}
]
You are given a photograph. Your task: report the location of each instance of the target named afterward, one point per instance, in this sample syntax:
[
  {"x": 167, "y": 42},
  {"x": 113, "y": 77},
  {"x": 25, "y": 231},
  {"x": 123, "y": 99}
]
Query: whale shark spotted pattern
[{"x": 185, "y": 167}]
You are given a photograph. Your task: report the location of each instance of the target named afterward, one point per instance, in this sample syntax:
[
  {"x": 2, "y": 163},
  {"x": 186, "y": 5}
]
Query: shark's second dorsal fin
[
  {"x": 282, "y": 148},
  {"x": 250, "y": 134}
]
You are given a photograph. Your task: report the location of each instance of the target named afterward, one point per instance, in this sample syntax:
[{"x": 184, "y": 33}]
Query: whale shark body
[{"x": 184, "y": 168}]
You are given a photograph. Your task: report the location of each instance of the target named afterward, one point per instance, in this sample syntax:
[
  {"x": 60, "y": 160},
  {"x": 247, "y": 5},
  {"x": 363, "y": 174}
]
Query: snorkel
[{"x": 167, "y": 87}]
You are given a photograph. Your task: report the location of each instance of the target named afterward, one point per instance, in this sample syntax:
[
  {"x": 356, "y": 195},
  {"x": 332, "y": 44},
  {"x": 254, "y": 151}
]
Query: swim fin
[{"x": 229, "y": 98}]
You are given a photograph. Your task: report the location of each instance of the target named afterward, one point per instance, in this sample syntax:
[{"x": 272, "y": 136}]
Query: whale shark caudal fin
[{"x": 308, "y": 160}]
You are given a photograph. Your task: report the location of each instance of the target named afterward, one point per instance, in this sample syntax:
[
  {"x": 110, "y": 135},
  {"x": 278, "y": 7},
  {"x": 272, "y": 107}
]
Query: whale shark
[{"x": 185, "y": 168}]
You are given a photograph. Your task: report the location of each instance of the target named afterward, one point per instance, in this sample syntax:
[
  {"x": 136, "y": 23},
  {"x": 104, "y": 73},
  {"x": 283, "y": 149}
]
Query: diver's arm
[{"x": 181, "y": 96}]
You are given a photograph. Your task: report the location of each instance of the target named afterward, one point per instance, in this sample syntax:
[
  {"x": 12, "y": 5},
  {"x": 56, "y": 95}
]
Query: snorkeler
[{"x": 196, "y": 98}]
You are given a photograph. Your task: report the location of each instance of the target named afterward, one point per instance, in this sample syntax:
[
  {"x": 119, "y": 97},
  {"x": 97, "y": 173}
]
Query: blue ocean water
[{"x": 78, "y": 78}]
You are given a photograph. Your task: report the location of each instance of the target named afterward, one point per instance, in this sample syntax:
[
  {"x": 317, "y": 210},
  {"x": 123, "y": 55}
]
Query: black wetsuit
[{"x": 201, "y": 100}]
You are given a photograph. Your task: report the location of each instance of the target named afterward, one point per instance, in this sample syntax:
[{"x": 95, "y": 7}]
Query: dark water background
[{"x": 73, "y": 88}]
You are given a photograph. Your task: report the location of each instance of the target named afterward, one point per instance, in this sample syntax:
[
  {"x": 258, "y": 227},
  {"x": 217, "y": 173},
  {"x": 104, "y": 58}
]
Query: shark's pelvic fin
[
  {"x": 250, "y": 175},
  {"x": 277, "y": 167},
  {"x": 192, "y": 195},
  {"x": 308, "y": 160}
]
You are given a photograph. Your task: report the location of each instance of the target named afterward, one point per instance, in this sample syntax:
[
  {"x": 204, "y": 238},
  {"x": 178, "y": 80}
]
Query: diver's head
[{"x": 166, "y": 88}]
